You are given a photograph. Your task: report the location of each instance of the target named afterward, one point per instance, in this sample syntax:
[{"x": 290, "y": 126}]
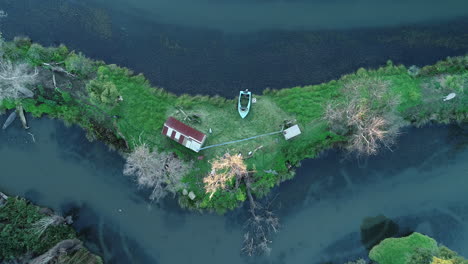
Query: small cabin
[
  {"x": 184, "y": 134},
  {"x": 291, "y": 132}
]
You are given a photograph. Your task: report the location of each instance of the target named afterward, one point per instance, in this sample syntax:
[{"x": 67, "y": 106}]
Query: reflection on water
[
  {"x": 241, "y": 16},
  {"x": 420, "y": 186},
  {"x": 210, "y": 48},
  {"x": 202, "y": 60}
]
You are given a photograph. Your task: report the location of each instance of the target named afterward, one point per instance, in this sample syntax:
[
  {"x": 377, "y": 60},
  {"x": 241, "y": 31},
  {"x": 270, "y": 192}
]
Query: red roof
[{"x": 184, "y": 129}]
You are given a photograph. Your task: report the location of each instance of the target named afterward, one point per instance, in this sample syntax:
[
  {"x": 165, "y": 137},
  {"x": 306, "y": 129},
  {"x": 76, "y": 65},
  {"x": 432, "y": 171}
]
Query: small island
[{"x": 238, "y": 159}]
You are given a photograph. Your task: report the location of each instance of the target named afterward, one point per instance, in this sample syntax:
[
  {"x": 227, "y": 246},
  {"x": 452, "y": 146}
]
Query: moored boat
[{"x": 243, "y": 106}]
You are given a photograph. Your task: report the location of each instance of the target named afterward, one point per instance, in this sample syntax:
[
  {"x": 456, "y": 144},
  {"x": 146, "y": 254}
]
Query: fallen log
[
  {"x": 26, "y": 92},
  {"x": 20, "y": 111},
  {"x": 55, "y": 68},
  {"x": 63, "y": 247},
  {"x": 9, "y": 120}
]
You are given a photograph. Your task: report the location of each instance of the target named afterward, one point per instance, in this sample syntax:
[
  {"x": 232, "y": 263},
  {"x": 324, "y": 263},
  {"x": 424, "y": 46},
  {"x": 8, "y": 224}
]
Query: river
[
  {"x": 421, "y": 185},
  {"x": 219, "y": 47}
]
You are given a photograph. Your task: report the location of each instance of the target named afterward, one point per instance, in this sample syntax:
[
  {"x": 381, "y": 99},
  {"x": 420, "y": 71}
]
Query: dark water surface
[
  {"x": 421, "y": 185},
  {"x": 219, "y": 47}
]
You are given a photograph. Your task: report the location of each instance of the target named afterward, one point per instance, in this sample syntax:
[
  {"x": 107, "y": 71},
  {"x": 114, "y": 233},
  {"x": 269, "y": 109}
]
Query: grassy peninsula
[{"x": 121, "y": 108}]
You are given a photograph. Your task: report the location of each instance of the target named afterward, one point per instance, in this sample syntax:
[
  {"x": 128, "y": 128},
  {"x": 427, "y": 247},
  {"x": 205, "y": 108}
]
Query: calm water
[
  {"x": 218, "y": 47},
  {"x": 421, "y": 185}
]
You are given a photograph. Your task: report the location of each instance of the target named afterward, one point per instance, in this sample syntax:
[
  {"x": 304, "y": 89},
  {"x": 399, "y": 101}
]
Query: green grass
[
  {"x": 227, "y": 125},
  {"x": 144, "y": 109}
]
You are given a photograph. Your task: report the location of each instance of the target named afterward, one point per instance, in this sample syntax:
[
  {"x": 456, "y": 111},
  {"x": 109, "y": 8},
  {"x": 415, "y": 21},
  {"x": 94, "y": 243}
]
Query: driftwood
[
  {"x": 26, "y": 92},
  {"x": 53, "y": 67},
  {"x": 9, "y": 120},
  {"x": 3, "y": 199},
  {"x": 3, "y": 196},
  {"x": 20, "y": 111},
  {"x": 32, "y": 137},
  {"x": 62, "y": 248},
  {"x": 191, "y": 118},
  {"x": 54, "y": 82}
]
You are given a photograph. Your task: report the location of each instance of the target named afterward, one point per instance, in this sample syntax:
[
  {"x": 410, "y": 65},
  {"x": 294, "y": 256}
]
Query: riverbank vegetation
[
  {"x": 29, "y": 234},
  {"x": 361, "y": 112},
  {"x": 413, "y": 249}
]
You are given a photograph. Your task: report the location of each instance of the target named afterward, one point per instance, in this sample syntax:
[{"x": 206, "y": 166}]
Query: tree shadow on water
[
  {"x": 105, "y": 238},
  {"x": 336, "y": 175},
  {"x": 34, "y": 196}
]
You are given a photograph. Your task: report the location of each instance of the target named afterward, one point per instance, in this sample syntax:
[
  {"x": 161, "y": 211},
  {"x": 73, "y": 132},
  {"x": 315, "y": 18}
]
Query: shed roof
[
  {"x": 291, "y": 132},
  {"x": 185, "y": 129}
]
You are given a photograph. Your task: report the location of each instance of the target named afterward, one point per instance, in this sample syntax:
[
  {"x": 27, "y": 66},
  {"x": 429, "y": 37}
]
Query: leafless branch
[
  {"x": 224, "y": 169},
  {"x": 367, "y": 115},
  {"x": 15, "y": 80},
  {"x": 162, "y": 172}
]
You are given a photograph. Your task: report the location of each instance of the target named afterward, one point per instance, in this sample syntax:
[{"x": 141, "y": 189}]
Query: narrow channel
[{"x": 421, "y": 185}]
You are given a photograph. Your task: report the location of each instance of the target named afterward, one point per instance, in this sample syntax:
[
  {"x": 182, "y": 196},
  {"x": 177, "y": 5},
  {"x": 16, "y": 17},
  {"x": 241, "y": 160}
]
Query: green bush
[
  {"x": 102, "y": 91},
  {"x": 79, "y": 64},
  {"x": 399, "y": 250},
  {"x": 22, "y": 42}
]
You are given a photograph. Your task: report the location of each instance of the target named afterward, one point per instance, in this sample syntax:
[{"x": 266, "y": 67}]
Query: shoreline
[
  {"x": 35, "y": 234},
  {"x": 173, "y": 57},
  {"x": 144, "y": 109}
]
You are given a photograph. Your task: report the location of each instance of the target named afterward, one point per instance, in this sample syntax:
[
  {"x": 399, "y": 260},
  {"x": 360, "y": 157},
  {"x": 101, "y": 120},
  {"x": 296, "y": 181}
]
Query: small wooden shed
[
  {"x": 291, "y": 132},
  {"x": 184, "y": 134}
]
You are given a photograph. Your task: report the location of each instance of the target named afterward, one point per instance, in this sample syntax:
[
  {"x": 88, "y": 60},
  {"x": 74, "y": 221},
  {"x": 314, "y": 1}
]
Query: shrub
[
  {"x": 22, "y": 42},
  {"x": 367, "y": 115},
  {"x": 103, "y": 92},
  {"x": 79, "y": 64},
  {"x": 398, "y": 250},
  {"x": 37, "y": 54}
]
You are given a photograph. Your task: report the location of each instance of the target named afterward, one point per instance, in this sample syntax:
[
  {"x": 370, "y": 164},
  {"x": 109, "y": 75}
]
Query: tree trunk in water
[
  {"x": 19, "y": 108},
  {"x": 62, "y": 247},
  {"x": 9, "y": 120}
]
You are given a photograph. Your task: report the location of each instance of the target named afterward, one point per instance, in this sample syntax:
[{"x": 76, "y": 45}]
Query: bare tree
[
  {"x": 367, "y": 115},
  {"x": 15, "y": 79},
  {"x": 262, "y": 222},
  {"x": 223, "y": 170},
  {"x": 259, "y": 228},
  {"x": 42, "y": 224},
  {"x": 160, "y": 171}
]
